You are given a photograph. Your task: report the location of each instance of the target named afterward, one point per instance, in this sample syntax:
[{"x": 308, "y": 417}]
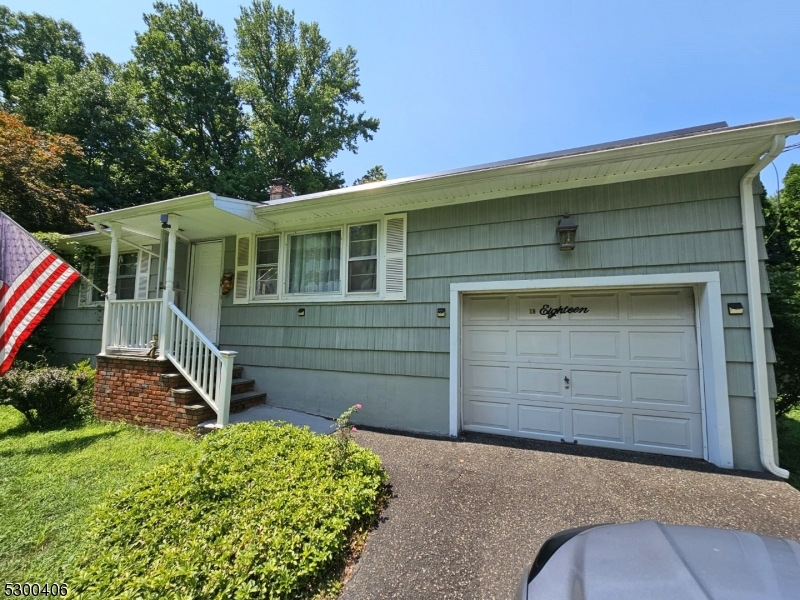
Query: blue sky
[{"x": 457, "y": 83}]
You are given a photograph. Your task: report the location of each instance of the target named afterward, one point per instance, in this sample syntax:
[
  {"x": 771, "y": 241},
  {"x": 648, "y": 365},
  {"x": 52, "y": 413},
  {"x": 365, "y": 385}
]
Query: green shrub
[
  {"x": 49, "y": 397},
  {"x": 264, "y": 512}
]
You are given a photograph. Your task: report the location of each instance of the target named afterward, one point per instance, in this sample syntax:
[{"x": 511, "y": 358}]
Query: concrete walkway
[
  {"x": 467, "y": 516},
  {"x": 265, "y": 412}
]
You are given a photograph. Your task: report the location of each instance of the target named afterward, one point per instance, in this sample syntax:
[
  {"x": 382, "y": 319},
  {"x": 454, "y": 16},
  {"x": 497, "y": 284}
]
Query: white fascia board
[
  {"x": 398, "y": 192},
  {"x": 571, "y": 283},
  {"x": 172, "y": 205}
]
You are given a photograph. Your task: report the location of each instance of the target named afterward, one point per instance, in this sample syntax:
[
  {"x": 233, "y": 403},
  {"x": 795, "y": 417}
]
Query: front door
[{"x": 204, "y": 295}]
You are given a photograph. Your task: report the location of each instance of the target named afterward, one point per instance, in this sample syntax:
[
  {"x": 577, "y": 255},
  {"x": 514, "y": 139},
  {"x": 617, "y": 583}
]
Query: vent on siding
[{"x": 395, "y": 258}]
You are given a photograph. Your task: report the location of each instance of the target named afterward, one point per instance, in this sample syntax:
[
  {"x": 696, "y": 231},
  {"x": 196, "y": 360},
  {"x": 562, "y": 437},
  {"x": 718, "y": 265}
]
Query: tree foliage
[
  {"x": 173, "y": 121},
  {"x": 29, "y": 39},
  {"x": 181, "y": 64},
  {"x": 300, "y": 93},
  {"x": 372, "y": 175},
  {"x": 34, "y": 189},
  {"x": 782, "y": 216}
]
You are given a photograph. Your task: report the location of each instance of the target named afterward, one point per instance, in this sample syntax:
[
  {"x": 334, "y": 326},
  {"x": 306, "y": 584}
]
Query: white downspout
[{"x": 754, "y": 299}]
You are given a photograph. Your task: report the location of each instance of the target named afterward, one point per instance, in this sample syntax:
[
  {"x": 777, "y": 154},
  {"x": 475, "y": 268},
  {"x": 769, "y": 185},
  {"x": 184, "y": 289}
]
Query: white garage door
[{"x": 608, "y": 368}]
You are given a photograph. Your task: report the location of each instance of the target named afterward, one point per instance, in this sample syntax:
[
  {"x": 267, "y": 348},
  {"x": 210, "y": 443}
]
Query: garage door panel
[
  {"x": 660, "y": 432},
  {"x": 661, "y": 388},
  {"x": 486, "y": 308},
  {"x": 529, "y": 307},
  {"x": 488, "y": 342},
  {"x": 662, "y": 346},
  {"x": 487, "y": 414},
  {"x": 594, "y": 344},
  {"x": 596, "y": 385},
  {"x": 540, "y": 382},
  {"x": 539, "y": 343},
  {"x": 602, "y": 306},
  {"x": 541, "y": 420},
  {"x": 488, "y": 378},
  {"x": 666, "y": 305},
  {"x": 597, "y": 425}
]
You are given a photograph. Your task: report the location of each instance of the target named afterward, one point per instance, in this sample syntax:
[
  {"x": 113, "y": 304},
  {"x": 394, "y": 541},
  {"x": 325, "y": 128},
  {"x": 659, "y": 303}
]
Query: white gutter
[{"x": 766, "y": 438}]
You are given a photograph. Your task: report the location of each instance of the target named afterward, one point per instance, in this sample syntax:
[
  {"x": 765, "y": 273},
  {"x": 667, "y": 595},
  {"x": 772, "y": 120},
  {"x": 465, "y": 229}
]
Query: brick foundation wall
[{"x": 130, "y": 389}]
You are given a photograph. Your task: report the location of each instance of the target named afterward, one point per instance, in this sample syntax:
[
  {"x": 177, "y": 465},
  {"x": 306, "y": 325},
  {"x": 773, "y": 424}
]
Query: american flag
[{"x": 32, "y": 279}]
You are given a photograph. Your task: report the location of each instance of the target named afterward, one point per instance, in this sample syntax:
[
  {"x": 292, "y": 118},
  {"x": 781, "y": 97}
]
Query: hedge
[{"x": 266, "y": 511}]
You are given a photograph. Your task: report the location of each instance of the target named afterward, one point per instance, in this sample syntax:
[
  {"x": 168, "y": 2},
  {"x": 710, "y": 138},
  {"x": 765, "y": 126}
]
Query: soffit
[{"x": 705, "y": 150}]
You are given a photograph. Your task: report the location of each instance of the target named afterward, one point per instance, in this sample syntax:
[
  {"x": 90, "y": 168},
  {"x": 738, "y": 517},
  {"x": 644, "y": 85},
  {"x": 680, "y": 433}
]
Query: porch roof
[{"x": 202, "y": 216}]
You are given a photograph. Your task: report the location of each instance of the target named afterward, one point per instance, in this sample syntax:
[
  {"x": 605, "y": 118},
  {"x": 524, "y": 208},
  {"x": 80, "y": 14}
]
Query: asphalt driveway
[{"x": 467, "y": 516}]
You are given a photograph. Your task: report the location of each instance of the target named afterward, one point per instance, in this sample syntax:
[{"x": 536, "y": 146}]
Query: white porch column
[
  {"x": 111, "y": 291},
  {"x": 169, "y": 287},
  {"x": 116, "y": 232}
]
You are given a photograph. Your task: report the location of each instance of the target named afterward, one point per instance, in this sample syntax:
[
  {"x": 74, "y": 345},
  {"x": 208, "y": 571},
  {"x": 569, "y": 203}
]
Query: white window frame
[
  {"x": 284, "y": 297},
  {"x": 92, "y": 292},
  {"x": 253, "y": 262},
  {"x": 286, "y": 257},
  {"x": 378, "y": 270}
]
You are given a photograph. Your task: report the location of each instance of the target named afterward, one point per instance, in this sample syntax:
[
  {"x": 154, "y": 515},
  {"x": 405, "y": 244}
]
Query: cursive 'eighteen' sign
[{"x": 552, "y": 311}]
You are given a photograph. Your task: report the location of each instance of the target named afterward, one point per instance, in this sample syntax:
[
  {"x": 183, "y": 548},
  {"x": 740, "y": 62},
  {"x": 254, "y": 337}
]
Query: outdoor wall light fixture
[
  {"x": 735, "y": 308},
  {"x": 165, "y": 222},
  {"x": 566, "y": 232}
]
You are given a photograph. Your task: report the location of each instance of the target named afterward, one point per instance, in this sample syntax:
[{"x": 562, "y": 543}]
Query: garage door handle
[{"x": 566, "y": 382}]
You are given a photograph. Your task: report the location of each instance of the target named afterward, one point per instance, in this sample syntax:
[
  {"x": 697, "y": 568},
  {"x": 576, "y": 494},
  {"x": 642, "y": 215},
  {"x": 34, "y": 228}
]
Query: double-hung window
[
  {"x": 126, "y": 276},
  {"x": 362, "y": 259},
  {"x": 314, "y": 262},
  {"x": 267, "y": 249}
]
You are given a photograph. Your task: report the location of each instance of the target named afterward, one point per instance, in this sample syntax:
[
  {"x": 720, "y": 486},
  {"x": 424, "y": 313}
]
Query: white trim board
[{"x": 717, "y": 432}]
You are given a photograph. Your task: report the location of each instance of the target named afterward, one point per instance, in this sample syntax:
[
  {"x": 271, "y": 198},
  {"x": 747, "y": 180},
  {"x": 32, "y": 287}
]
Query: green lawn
[
  {"x": 49, "y": 483},
  {"x": 789, "y": 445}
]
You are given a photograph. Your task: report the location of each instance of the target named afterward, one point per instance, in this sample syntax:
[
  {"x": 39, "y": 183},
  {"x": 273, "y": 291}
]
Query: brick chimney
[{"x": 280, "y": 189}]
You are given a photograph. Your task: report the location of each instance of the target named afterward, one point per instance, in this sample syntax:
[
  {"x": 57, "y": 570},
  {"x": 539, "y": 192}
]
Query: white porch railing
[
  {"x": 130, "y": 324},
  {"x": 207, "y": 369}
]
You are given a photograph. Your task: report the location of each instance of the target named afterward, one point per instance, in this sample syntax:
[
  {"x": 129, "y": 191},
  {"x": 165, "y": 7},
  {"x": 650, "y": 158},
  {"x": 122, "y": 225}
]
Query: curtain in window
[{"x": 314, "y": 262}]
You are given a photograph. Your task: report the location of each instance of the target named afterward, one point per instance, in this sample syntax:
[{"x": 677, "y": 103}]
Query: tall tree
[
  {"x": 34, "y": 189},
  {"x": 181, "y": 63},
  {"x": 782, "y": 215},
  {"x": 99, "y": 106},
  {"x": 27, "y": 39},
  {"x": 300, "y": 93}
]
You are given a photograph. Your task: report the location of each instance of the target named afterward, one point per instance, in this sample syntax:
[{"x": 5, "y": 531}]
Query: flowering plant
[{"x": 344, "y": 435}]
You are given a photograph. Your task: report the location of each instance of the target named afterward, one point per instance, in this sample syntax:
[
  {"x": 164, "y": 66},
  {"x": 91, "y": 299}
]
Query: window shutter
[
  {"x": 143, "y": 276},
  {"x": 394, "y": 258},
  {"x": 241, "y": 283}
]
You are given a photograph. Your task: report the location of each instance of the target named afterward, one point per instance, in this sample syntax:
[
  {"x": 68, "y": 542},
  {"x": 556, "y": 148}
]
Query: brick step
[
  {"x": 240, "y": 385},
  {"x": 173, "y": 380},
  {"x": 239, "y": 403},
  {"x": 187, "y": 394}
]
